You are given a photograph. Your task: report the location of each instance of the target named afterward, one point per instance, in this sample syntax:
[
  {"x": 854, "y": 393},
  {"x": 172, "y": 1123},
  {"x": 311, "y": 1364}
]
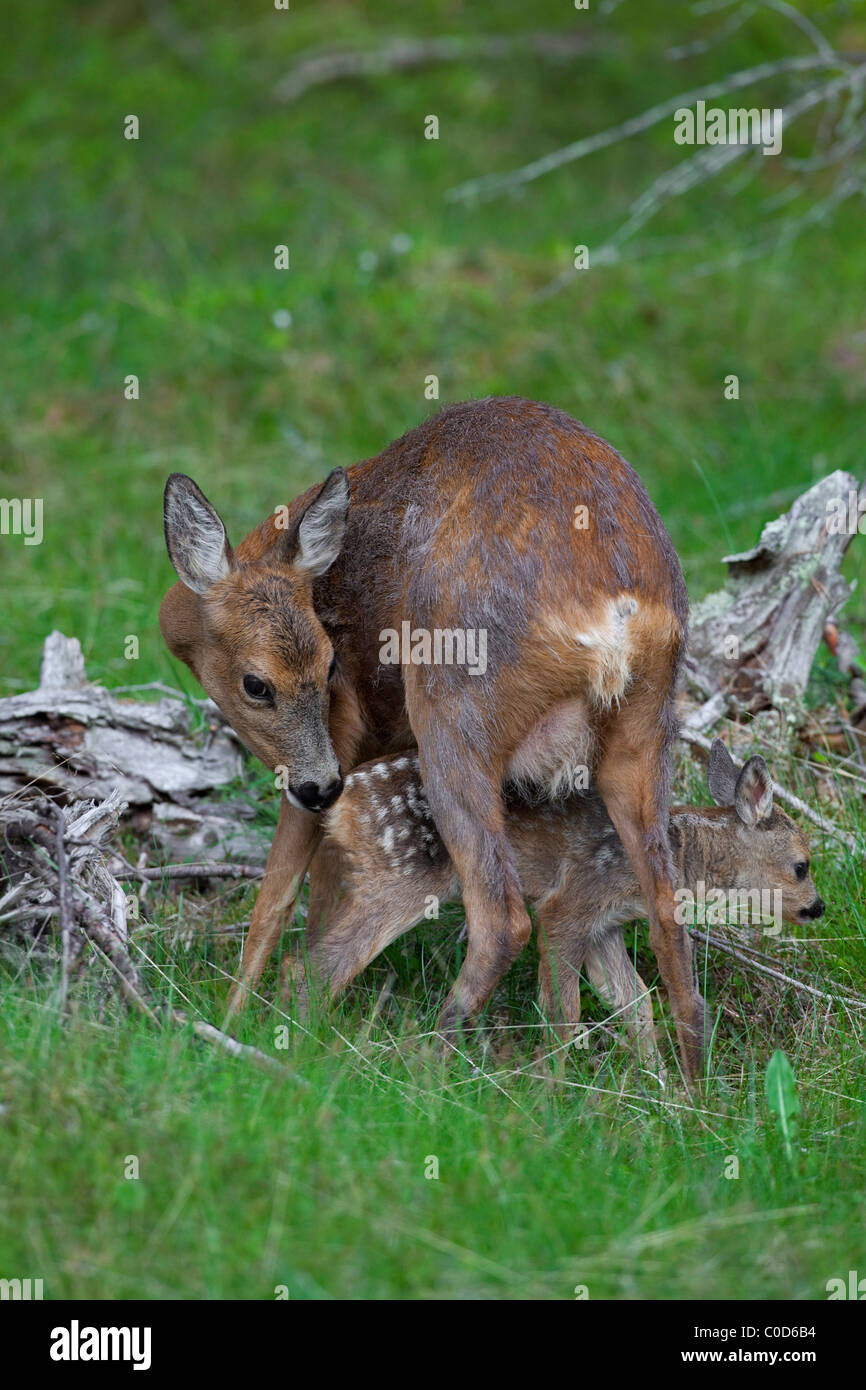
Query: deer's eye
[
  {"x": 256, "y": 688},
  {"x": 801, "y": 869},
  {"x": 332, "y": 668}
]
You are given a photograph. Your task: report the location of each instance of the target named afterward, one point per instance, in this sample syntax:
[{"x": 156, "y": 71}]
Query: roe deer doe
[
  {"x": 385, "y": 851},
  {"x": 499, "y": 516}
]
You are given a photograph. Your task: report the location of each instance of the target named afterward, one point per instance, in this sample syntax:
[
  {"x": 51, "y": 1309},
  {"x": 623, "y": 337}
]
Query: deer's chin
[{"x": 293, "y": 801}]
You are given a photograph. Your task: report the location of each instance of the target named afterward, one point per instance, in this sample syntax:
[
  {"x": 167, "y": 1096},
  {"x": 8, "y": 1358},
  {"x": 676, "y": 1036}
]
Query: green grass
[
  {"x": 547, "y": 1178},
  {"x": 155, "y": 258}
]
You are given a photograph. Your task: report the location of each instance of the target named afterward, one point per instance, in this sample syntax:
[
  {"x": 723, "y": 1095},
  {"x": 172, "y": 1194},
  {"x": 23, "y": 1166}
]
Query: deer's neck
[{"x": 703, "y": 845}]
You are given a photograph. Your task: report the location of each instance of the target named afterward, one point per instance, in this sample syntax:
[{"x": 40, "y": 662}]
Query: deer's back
[{"x": 487, "y": 491}]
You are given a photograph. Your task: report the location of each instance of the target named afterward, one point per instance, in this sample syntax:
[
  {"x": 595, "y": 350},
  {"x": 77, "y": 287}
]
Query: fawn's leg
[
  {"x": 633, "y": 777},
  {"x": 325, "y": 885},
  {"x": 368, "y": 918},
  {"x": 569, "y": 940},
  {"x": 613, "y": 976},
  {"x": 326, "y": 879},
  {"x": 562, "y": 945}
]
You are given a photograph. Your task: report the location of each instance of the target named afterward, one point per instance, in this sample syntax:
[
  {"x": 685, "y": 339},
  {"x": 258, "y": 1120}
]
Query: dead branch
[
  {"x": 204, "y": 870},
  {"x": 401, "y": 55},
  {"x": 707, "y": 164},
  {"x": 63, "y": 908},
  {"x": 494, "y": 185},
  {"x": 209, "y": 1033},
  {"x": 850, "y": 1001},
  {"x": 710, "y": 162},
  {"x": 734, "y": 22},
  {"x": 64, "y": 872},
  {"x": 119, "y": 960}
]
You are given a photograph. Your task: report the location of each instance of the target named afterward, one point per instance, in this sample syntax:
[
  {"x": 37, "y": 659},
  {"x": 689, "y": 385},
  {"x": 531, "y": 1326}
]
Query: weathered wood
[
  {"x": 79, "y": 739},
  {"x": 754, "y": 641},
  {"x": 53, "y": 863},
  {"x": 203, "y": 831}
]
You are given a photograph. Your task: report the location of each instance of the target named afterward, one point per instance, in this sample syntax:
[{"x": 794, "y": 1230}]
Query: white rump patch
[{"x": 602, "y": 645}]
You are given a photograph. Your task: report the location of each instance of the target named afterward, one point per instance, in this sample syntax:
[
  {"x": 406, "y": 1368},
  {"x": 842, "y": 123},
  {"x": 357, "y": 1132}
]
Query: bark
[
  {"x": 81, "y": 740},
  {"x": 752, "y": 644}
]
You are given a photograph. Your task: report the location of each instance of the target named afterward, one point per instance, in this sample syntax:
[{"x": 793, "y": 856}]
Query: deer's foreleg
[{"x": 294, "y": 844}]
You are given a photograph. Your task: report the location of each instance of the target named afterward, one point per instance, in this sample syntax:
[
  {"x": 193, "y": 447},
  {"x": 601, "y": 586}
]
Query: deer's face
[
  {"x": 251, "y": 636},
  {"x": 771, "y": 852},
  {"x": 776, "y": 858}
]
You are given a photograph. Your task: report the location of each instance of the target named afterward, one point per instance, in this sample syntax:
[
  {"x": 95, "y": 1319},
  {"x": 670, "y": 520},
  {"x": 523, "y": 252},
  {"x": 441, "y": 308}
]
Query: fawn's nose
[
  {"x": 814, "y": 910},
  {"x": 316, "y": 798}
]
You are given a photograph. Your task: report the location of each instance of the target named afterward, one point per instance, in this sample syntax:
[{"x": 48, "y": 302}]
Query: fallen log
[
  {"x": 72, "y": 740},
  {"x": 81, "y": 740},
  {"x": 752, "y": 644}
]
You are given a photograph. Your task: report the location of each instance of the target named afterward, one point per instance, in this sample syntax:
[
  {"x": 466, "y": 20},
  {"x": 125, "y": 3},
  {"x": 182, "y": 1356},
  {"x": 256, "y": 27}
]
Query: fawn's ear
[
  {"x": 753, "y": 798},
  {"x": 722, "y": 773},
  {"x": 322, "y": 528},
  {"x": 196, "y": 539}
]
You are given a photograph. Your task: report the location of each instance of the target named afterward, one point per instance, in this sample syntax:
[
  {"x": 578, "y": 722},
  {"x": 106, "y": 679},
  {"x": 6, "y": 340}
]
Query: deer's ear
[
  {"x": 180, "y": 624},
  {"x": 722, "y": 774},
  {"x": 196, "y": 539},
  {"x": 322, "y": 528},
  {"x": 754, "y": 794}
]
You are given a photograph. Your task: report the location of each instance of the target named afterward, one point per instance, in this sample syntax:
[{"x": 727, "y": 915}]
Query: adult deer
[{"x": 500, "y": 516}]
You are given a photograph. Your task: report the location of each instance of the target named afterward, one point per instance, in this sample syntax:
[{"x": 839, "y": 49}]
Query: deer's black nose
[
  {"x": 814, "y": 910},
  {"x": 316, "y": 798}
]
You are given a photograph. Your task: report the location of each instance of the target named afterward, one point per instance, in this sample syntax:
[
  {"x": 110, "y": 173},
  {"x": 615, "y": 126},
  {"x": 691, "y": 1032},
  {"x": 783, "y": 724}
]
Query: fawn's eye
[
  {"x": 332, "y": 667},
  {"x": 801, "y": 869},
  {"x": 256, "y": 688}
]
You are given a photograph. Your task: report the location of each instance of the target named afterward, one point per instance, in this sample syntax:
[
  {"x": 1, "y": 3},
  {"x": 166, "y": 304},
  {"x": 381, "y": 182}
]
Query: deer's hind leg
[
  {"x": 463, "y": 784},
  {"x": 633, "y": 777}
]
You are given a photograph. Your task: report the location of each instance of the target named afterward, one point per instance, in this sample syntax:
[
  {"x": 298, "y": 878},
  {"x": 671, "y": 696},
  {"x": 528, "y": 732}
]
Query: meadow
[{"x": 154, "y": 258}]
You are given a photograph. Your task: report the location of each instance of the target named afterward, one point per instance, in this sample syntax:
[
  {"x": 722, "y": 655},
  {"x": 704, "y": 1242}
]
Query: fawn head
[
  {"x": 769, "y": 850},
  {"x": 250, "y": 635}
]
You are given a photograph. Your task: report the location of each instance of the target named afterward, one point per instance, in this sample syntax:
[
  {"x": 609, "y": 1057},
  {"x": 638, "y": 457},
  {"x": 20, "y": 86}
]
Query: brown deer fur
[
  {"x": 467, "y": 522},
  {"x": 389, "y": 860}
]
